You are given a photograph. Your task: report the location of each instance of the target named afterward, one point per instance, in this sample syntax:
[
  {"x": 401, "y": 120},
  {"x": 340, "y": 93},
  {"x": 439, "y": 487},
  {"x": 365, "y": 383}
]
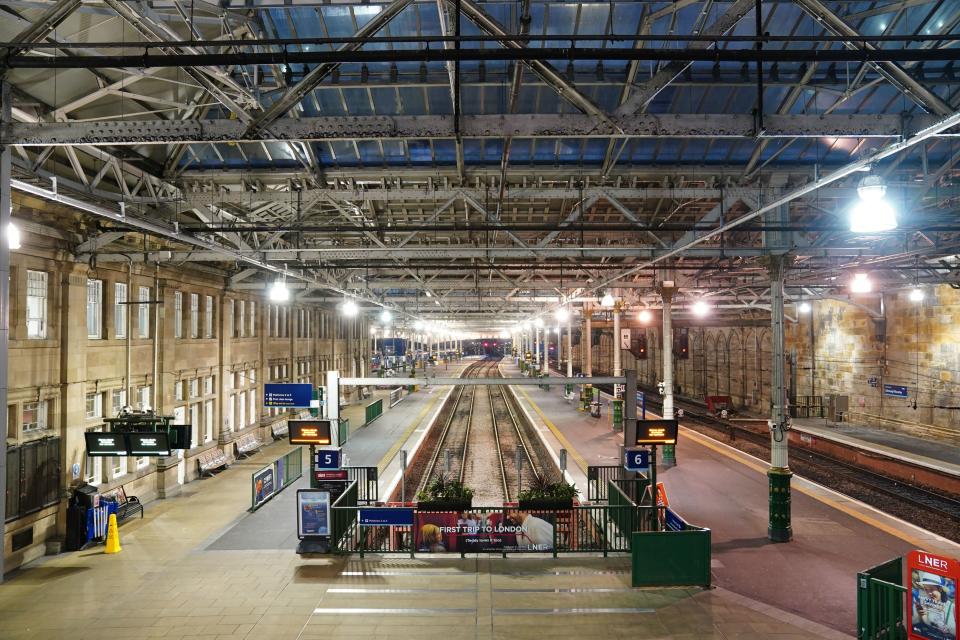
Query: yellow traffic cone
[{"x": 113, "y": 535}]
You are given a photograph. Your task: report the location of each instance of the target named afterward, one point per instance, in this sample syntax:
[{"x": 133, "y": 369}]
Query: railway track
[
  {"x": 479, "y": 441},
  {"x": 940, "y": 512}
]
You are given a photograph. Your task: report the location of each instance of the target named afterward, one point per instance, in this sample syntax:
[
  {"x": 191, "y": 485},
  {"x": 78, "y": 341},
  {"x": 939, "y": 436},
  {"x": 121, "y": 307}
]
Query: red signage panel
[
  {"x": 340, "y": 474},
  {"x": 932, "y": 607}
]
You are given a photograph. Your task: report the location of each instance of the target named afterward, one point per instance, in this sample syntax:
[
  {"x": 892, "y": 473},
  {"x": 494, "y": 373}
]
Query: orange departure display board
[
  {"x": 656, "y": 432},
  {"x": 310, "y": 432}
]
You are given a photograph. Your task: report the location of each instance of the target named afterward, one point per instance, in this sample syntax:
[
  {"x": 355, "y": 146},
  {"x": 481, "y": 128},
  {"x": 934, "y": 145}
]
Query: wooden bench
[
  {"x": 248, "y": 444},
  {"x": 127, "y": 506},
  {"x": 280, "y": 430},
  {"x": 212, "y": 459}
]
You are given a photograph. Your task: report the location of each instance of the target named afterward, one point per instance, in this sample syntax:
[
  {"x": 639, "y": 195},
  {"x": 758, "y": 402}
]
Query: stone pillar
[
  {"x": 570, "y": 345},
  {"x": 779, "y": 474},
  {"x": 73, "y": 374},
  {"x": 666, "y": 295},
  {"x": 586, "y": 342},
  {"x": 168, "y": 482}
]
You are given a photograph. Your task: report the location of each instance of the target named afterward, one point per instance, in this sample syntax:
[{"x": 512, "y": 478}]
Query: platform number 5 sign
[{"x": 326, "y": 459}]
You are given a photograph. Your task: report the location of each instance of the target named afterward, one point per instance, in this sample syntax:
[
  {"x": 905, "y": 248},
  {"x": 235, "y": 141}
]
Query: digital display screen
[
  {"x": 105, "y": 444},
  {"x": 310, "y": 432},
  {"x": 149, "y": 443},
  {"x": 656, "y": 432},
  {"x": 181, "y": 436}
]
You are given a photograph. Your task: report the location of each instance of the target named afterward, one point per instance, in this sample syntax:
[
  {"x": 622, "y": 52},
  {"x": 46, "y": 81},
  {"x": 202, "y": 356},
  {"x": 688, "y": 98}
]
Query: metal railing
[
  {"x": 343, "y": 518},
  {"x": 368, "y": 488},
  {"x": 881, "y": 602},
  {"x": 581, "y": 529},
  {"x": 598, "y": 478},
  {"x": 396, "y": 395},
  {"x": 373, "y": 411}
]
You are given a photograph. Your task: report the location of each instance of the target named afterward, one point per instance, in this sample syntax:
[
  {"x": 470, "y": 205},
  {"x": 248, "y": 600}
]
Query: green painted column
[
  {"x": 779, "y": 529},
  {"x": 618, "y": 414}
]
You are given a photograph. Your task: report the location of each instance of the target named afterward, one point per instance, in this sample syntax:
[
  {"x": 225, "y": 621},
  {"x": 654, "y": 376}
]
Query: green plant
[
  {"x": 541, "y": 488},
  {"x": 443, "y": 488}
]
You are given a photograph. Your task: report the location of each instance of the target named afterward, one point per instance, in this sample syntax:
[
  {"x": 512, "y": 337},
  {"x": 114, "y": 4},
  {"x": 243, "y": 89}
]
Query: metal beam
[
  {"x": 516, "y": 194},
  {"x": 567, "y": 90},
  {"x": 647, "y": 91},
  {"x": 361, "y": 254},
  {"x": 98, "y": 241},
  {"x": 316, "y": 75},
  {"x": 899, "y": 78},
  {"x": 147, "y": 132},
  {"x": 41, "y": 27},
  {"x": 480, "y": 382}
]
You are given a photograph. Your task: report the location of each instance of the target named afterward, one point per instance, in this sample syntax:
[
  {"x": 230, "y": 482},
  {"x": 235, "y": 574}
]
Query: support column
[
  {"x": 5, "y": 204},
  {"x": 586, "y": 342},
  {"x": 779, "y": 528},
  {"x": 546, "y": 348},
  {"x": 569, "y": 346},
  {"x": 616, "y": 339},
  {"x": 536, "y": 344},
  {"x": 666, "y": 295}
]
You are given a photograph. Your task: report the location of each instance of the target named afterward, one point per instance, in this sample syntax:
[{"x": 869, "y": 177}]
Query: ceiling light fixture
[
  {"x": 386, "y": 316},
  {"x": 803, "y": 307},
  {"x": 13, "y": 236},
  {"x": 644, "y": 316},
  {"x": 563, "y": 314},
  {"x": 607, "y": 301},
  {"x": 861, "y": 283},
  {"x": 700, "y": 308},
  {"x": 350, "y": 308},
  {"x": 279, "y": 291},
  {"x": 872, "y": 213},
  {"x": 916, "y": 295}
]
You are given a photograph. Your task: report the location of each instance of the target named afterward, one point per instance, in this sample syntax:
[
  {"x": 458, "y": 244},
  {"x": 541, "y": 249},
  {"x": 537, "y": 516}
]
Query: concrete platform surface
[
  {"x": 169, "y": 582},
  {"x": 718, "y": 487}
]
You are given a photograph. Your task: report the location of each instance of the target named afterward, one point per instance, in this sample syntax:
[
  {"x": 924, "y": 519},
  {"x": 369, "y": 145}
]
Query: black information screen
[
  {"x": 310, "y": 432},
  {"x": 106, "y": 444},
  {"x": 149, "y": 443},
  {"x": 656, "y": 432}
]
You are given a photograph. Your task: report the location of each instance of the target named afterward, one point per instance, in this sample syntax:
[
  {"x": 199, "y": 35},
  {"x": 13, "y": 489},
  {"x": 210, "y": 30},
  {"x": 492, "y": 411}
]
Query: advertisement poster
[
  {"x": 263, "y": 486},
  {"x": 313, "y": 513},
  {"x": 478, "y": 531},
  {"x": 933, "y": 596}
]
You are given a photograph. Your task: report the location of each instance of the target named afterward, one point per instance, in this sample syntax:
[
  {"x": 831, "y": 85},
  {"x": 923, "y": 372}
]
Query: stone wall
[
  {"x": 843, "y": 347},
  {"x": 63, "y": 369}
]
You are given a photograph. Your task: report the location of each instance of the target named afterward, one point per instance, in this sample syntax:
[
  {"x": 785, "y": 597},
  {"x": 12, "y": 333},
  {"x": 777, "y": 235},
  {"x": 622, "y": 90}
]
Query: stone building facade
[{"x": 88, "y": 339}]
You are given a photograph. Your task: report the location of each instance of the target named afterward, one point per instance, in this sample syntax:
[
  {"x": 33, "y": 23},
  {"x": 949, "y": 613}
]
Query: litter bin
[{"x": 594, "y": 409}]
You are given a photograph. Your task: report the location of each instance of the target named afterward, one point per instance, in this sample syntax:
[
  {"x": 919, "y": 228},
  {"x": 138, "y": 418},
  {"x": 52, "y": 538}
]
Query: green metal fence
[
  {"x": 373, "y": 411},
  {"x": 671, "y": 558},
  {"x": 582, "y": 529},
  {"x": 597, "y": 479},
  {"x": 881, "y": 602},
  {"x": 343, "y": 518},
  {"x": 274, "y": 477},
  {"x": 343, "y": 431}
]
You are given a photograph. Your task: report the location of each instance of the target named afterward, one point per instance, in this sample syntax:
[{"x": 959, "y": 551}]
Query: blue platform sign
[
  {"x": 326, "y": 460},
  {"x": 297, "y": 396},
  {"x": 673, "y": 521},
  {"x": 386, "y": 516},
  {"x": 636, "y": 460},
  {"x": 895, "y": 392}
]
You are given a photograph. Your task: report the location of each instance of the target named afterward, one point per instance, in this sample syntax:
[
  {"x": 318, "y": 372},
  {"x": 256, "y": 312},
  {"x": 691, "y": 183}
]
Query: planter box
[
  {"x": 444, "y": 505},
  {"x": 546, "y": 504}
]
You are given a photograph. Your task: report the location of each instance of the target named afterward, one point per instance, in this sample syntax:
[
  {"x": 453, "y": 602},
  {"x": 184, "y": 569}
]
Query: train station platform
[
  {"x": 934, "y": 454},
  {"x": 721, "y": 488},
  {"x": 174, "y": 580}
]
